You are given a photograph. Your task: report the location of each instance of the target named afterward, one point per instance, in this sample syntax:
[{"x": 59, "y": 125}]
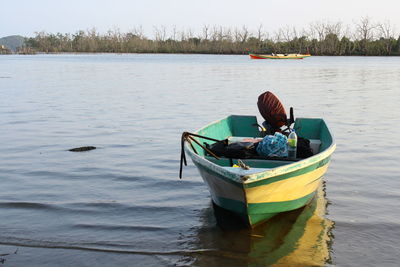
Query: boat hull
[
  {"x": 269, "y": 187},
  {"x": 279, "y": 56},
  {"x": 256, "y": 203}
]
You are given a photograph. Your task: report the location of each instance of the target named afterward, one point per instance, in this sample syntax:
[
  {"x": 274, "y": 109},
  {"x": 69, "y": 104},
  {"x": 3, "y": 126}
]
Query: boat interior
[{"x": 238, "y": 127}]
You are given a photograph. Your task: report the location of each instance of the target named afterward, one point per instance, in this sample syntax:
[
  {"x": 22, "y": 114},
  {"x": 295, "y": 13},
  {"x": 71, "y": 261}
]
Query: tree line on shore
[{"x": 320, "y": 38}]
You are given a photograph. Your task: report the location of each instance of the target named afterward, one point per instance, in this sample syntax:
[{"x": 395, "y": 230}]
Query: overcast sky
[{"x": 24, "y": 17}]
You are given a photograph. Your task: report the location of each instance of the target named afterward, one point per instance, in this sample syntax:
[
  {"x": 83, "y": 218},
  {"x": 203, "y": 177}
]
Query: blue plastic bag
[{"x": 273, "y": 146}]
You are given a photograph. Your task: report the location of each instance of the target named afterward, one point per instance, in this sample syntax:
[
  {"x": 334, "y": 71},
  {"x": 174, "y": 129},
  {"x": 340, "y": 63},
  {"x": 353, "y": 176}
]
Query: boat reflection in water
[{"x": 297, "y": 238}]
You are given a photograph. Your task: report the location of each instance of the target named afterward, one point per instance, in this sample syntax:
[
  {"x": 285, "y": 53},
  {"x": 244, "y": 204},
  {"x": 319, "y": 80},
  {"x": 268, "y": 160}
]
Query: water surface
[{"x": 123, "y": 204}]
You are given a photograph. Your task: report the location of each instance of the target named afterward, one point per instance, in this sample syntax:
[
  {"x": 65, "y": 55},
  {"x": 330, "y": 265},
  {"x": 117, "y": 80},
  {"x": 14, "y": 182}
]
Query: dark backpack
[
  {"x": 303, "y": 148},
  {"x": 237, "y": 150}
]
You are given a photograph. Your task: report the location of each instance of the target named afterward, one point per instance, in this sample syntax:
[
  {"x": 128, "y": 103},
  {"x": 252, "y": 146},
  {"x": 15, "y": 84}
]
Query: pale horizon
[{"x": 27, "y": 17}]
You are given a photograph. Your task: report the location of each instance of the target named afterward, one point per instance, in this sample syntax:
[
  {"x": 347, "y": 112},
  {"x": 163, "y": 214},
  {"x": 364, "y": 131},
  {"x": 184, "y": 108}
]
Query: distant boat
[
  {"x": 278, "y": 56},
  {"x": 268, "y": 186}
]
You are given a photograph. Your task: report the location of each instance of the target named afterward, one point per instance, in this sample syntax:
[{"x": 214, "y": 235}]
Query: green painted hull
[{"x": 270, "y": 186}]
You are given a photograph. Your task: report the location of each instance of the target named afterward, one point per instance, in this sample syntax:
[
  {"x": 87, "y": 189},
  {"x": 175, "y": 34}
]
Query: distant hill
[{"x": 12, "y": 42}]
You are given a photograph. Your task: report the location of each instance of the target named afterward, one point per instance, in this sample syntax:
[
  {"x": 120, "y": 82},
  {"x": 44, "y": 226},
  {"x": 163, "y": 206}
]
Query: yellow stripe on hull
[{"x": 288, "y": 189}]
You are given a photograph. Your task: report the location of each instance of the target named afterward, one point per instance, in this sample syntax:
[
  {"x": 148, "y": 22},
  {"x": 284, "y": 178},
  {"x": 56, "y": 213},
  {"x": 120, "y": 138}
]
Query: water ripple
[
  {"x": 120, "y": 227},
  {"x": 10, "y": 241}
]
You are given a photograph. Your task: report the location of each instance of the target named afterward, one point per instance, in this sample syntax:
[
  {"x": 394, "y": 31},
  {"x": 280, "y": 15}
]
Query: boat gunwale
[{"x": 266, "y": 174}]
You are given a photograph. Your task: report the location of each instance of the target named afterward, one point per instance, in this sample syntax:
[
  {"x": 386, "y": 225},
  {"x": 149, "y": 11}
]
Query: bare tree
[
  {"x": 365, "y": 31},
  {"x": 182, "y": 36},
  {"x": 174, "y": 33},
  {"x": 277, "y": 36},
  {"x": 387, "y": 32},
  {"x": 285, "y": 34},
  {"x": 243, "y": 34},
  {"x": 189, "y": 33},
  {"x": 138, "y": 31},
  {"x": 214, "y": 33},
  {"x": 206, "y": 32},
  {"x": 260, "y": 33},
  {"x": 224, "y": 34},
  {"x": 160, "y": 33},
  {"x": 334, "y": 28},
  {"x": 333, "y": 33},
  {"x": 319, "y": 30},
  {"x": 320, "y": 37}
]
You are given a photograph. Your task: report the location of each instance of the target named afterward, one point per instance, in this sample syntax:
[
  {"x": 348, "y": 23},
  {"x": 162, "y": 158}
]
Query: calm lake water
[{"x": 123, "y": 204}]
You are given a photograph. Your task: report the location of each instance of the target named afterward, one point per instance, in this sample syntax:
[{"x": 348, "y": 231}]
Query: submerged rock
[{"x": 82, "y": 148}]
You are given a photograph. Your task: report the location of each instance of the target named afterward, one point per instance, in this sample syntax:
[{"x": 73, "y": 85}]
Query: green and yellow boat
[
  {"x": 278, "y": 56},
  {"x": 269, "y": 186}
]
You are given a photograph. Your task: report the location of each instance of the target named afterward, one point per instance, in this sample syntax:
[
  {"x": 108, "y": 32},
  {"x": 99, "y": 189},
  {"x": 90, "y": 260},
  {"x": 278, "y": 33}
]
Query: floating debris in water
[
  {"x": 82, "y": 148},
  {"x": 3, "y": 260}
]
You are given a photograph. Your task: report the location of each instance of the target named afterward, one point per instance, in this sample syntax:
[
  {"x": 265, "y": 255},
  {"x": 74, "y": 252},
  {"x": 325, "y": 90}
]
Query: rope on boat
[
  {"x": 242, "y": 165},
  {"x": 189, "y": 137}
]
